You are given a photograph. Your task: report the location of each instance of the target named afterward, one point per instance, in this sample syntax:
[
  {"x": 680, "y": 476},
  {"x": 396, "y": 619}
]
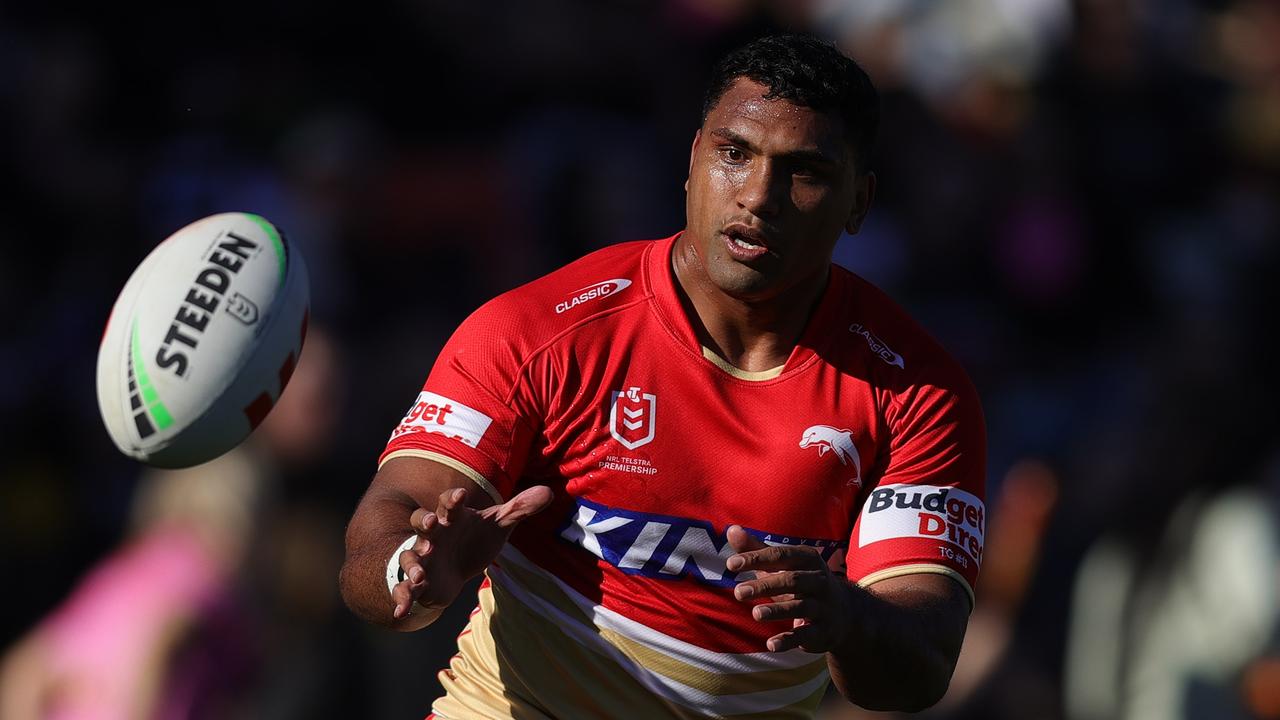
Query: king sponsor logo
[
  {"x": 437, "y": 414},
  {"x": 664, "y": 546},
  {"x": 947, "y": 514},
  {"x": 591, "y": 292},
  {"x": 225, "y": 260}
]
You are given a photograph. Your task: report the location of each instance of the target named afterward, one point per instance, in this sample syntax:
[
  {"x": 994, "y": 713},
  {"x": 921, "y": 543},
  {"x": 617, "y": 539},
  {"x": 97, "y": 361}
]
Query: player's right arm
[
  {"x": 449, "y": 474},
  {"x": 458, "y": 531}
]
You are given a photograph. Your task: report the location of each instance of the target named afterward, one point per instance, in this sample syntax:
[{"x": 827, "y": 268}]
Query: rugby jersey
[{"x": 868, "y": 444}]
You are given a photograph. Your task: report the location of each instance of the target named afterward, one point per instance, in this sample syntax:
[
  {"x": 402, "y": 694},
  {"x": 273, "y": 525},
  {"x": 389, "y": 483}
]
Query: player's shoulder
[
  {"x": 880, "y": 338},
  {"x": 591, "y": 287}
]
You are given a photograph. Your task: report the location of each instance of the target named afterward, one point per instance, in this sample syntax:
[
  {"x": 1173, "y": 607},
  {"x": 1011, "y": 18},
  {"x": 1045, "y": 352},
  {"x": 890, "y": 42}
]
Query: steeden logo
[
  {"x": 591, "y": 292},
  {"x": 838, "y": 442}
]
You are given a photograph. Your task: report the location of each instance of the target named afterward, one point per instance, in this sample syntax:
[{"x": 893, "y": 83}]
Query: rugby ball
[{"x": 202, "y": 340}]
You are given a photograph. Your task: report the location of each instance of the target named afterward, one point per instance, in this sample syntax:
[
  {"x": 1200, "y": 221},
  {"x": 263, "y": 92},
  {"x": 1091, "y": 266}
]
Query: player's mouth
[{"x": 744, "y": 242}]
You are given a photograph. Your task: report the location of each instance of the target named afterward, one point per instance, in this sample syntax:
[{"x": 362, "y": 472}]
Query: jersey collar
[{"x": 818, "y": 332}]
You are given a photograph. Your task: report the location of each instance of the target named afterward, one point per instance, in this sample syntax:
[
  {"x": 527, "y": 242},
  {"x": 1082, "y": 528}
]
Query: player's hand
[
  {"x": 798, "y": 587},
  {"x": 455, "y": 543}
]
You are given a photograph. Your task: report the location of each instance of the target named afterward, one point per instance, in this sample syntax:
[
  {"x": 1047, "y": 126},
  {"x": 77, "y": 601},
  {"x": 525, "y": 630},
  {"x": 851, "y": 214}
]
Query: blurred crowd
[{"x": 1079, "y": 198}]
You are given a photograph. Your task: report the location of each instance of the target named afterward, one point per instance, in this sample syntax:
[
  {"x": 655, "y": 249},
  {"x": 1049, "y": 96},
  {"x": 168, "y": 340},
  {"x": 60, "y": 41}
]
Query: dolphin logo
[{"x": 837, "y": 441}]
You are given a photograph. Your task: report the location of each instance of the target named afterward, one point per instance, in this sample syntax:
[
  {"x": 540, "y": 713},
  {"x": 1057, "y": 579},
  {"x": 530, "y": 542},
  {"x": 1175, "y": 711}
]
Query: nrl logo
[
  {"x": 838, "y": 442},
  {"x": 242, "y": 309},
  {"x": 631, "y": 416}
]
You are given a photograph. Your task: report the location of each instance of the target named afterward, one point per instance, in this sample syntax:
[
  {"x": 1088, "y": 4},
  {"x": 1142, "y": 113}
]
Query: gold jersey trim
[
  {"x": 487, "y": 681},
  {"x": 447, "y": 461},
  {"x": 708, "y": 681},
  {"x": 919, "y": 569},
  {"x": 531, "y": 631},
  {"x": 751, "y": 375}
]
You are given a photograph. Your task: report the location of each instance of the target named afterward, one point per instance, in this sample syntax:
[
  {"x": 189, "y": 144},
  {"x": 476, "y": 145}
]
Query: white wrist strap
[{"x": 395, "y": 575}]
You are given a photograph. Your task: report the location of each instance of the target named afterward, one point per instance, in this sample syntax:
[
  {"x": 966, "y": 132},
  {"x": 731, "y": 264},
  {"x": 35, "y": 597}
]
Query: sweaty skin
[{"x": 784, "y": 175}]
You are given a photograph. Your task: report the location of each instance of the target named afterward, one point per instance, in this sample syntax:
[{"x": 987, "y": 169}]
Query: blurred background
[{"x": 1079, "y": 198}]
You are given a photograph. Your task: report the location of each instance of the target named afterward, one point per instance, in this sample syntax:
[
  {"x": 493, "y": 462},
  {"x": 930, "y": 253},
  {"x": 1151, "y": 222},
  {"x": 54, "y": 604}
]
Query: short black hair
[{"x": 807, "y": 72}]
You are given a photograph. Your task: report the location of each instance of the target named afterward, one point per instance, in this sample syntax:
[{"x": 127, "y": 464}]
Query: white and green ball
[{"x": 202, "y": 340}]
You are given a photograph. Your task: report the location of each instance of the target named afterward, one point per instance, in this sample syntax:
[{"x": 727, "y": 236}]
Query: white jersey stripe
[
  {"x": 673, "y": 663},
  {"x": 661, "y": 685},
  {"x": 685, "y": 651}
]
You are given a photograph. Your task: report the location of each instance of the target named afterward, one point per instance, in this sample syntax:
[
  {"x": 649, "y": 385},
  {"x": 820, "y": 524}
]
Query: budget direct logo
[
  {"x": 439, "y": 415},
  {"x": 946, "y": 514},
  {"x": 591, "y": 292}
]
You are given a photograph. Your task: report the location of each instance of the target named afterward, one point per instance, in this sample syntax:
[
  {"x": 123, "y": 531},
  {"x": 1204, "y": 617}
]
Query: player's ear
[
  {"x": 864, "y": 191},
  {"x": 693, "y": 149}
]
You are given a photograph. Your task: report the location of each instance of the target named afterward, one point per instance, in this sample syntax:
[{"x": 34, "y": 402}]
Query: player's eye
[
  {"x": 810, "y": 174},
  {"x": 733, "y": 155}
]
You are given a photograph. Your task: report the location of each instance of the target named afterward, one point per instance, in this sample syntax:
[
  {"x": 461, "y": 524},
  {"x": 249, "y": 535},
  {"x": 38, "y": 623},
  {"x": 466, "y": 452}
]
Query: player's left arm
[
  {"x": 903, "y": 649},
  {"x": 890, "y": 646},
  {"x": 892, "y": 625}
]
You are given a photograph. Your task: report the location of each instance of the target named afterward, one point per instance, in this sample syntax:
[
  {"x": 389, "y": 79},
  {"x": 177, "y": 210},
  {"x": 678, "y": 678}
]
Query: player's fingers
[
  {"x": 450, "y": 500},
  {"x": 800, "y": 582},
  {"x": 777, "y": 557},
  {"x": 411, "y": 568},
  {"x": 423, "y": 521},
  {"x": 797, "y": 609},
  {"x": 529, "y": 502},
  {"x": 423, "y": 546},
  {"x": 742, "y": 541},
  {"x": 403, "y": 596},
  {"x": 812, "y": 638}
]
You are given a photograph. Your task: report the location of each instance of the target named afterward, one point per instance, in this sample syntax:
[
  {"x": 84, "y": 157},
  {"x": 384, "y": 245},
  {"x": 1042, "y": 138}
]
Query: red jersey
[{"x": 868, "y": 445}]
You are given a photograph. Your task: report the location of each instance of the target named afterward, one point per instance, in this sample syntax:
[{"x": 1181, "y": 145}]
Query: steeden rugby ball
[{"x": 202, "y": 340}]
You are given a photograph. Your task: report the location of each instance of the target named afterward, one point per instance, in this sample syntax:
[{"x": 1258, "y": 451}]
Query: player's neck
[{"x": 751, "y": 335}]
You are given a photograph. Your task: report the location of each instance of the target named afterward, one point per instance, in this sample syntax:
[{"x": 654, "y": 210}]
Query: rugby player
[{"x": 702, "y": 475}]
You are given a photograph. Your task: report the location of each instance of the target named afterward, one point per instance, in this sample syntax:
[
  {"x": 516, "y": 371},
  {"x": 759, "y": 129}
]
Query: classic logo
[
  {"x": 839, "y": 443},
  {"x": 878, "y": 346},
  {"x": 931, "y": 512},
  {"x": 667, "y": 547},
  {"x": 631, "y": 417},
  {"x": 437, "y": 414},
  {"x": 591, "y": 292}
]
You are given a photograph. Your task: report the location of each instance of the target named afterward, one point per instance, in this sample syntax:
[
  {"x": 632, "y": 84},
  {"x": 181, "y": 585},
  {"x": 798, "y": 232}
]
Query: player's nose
[{"x": 761, "y": 191}]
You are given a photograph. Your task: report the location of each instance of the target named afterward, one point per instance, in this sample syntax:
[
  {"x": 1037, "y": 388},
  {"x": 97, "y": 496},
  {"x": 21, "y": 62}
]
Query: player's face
[{"x": 771, "y": 186}]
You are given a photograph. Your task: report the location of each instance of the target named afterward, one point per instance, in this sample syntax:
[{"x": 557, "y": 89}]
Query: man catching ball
[{"x": 703, "y": 475}]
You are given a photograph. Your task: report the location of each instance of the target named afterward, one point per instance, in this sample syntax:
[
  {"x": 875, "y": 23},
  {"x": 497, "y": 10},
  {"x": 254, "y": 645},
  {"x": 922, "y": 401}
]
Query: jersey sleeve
[
  {"x": 927, "y": 513},
  {"x": 474, "y": 413}
]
